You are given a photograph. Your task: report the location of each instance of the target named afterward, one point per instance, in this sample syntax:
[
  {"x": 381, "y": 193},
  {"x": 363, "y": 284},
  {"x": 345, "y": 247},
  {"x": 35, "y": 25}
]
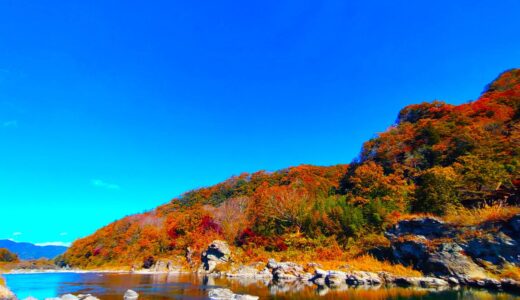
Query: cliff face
[
  {"x": 437, "y": 158},
  {"x": 445, "y": 249}
]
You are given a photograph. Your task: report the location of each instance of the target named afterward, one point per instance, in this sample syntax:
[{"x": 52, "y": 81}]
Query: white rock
[
  {"x": 227, "y": 294},
  {"x": 130, "y": 295}
]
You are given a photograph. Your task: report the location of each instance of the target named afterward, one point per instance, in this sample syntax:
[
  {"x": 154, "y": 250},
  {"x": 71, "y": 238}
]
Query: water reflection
[{"x": 188, "y": 286}]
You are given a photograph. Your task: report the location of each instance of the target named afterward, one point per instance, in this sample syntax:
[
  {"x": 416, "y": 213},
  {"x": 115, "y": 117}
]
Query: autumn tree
[
  {"x": 7, "y": 256},
  {"x": 232, "y": 216},
  {"x": 280, "y": 207},
  {"x": 367, "y": 182}
]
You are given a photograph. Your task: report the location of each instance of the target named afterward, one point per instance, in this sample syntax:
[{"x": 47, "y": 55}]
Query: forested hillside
[{"x": 437, "y": 158}]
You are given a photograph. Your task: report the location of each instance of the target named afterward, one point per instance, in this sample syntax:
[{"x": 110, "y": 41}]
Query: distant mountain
[{"x": 26, "y": 251}]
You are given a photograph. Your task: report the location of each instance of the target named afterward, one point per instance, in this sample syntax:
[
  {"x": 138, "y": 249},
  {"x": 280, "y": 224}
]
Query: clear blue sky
[{"x": 109, "y": 108}]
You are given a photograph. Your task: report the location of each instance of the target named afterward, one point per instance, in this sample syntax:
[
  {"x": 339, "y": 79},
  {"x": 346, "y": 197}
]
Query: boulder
[
  {"x": 249, "y": 272},
  {"x": 288, "y": 271},
  {"x": 218, "y": 252},
  {"x": 363, "y": 278},
  {"x": 335, "y": 279},
  {"x": 130, "y": 295},
  {"x": 227, "y": 294},
  {"x": 386, "y": 277},
  {"x": 69, "y": 297},
  {"x": 319, "y": 277},
  {"x": 425, "y": 282},
  {"x": 453, "y": 281},
  {"x": 487, "y": 283}
]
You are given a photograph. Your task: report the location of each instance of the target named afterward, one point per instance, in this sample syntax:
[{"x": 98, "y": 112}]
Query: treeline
[{"x": 437, "y": 157}]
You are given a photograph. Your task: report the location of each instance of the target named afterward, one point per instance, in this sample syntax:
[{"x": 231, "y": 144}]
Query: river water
[{"x": 188, "y": 286}]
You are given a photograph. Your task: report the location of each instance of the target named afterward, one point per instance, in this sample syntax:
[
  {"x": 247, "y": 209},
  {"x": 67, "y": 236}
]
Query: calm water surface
[{"x": 188, "y": 286}]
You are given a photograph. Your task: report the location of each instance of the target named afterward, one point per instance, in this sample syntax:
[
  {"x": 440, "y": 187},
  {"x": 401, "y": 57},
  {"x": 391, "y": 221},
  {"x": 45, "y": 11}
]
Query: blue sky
[{"x": 109, "y": 108}]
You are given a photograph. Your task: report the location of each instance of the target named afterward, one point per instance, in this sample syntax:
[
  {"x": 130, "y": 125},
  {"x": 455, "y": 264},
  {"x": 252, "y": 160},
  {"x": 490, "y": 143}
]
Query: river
[{"x": 189, "y": 286}]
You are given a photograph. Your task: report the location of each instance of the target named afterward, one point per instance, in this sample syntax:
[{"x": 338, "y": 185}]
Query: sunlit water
[{"x": 187, "y": 286}]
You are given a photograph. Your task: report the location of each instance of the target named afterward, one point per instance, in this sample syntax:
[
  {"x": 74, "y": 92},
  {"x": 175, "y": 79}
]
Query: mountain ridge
[
  {"x": 437, "y": 159},
  {"x": 29, "y": 251}
]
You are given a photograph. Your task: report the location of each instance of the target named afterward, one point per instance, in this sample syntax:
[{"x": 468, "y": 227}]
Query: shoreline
[
  {"x": 332, "y": 279},
  {"x": 77, "y": 271},
  {"x": 287, "y": 275}
]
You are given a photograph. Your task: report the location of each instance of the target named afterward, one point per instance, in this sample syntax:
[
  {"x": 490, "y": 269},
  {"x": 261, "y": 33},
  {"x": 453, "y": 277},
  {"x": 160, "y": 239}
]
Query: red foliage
[
  {"x": 280, "y": 244},
  {"x": 246, "y": 237},
  {"x": 208, "y": 224}
]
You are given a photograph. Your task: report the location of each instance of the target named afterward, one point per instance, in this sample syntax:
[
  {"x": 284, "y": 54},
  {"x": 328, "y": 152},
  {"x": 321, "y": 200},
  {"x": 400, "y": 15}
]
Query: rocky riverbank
[
  {"x": 447, "y": 250},
  {"x": 449, "y": 255}
]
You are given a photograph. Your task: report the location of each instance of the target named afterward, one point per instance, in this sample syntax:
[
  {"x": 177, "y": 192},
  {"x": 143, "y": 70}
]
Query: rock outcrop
[
  {"x": 218, "y": 252},
  {"x": 462, "y": 252},
  {"x": 164, "y": 266}
]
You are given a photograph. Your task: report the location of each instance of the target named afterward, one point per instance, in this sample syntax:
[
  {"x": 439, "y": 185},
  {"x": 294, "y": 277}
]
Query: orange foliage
[{"x": 293, "y": 213}]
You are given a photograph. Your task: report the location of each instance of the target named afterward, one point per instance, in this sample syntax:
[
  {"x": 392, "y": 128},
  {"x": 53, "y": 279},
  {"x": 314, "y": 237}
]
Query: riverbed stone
[
  {"x": 319, "y": 277},
  {"x": 130, "y": 295},
  {"x": 286, "y": 271},
  {"x": 335, "y": 279},
  {"x": 363, "y": 278},
  {"x": 227, "y": 294}
]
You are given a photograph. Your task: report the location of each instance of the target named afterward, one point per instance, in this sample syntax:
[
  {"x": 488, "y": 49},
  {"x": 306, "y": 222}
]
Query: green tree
[
  {"x": 436, "y": 190},
  {"x": 479, "y": 176}
]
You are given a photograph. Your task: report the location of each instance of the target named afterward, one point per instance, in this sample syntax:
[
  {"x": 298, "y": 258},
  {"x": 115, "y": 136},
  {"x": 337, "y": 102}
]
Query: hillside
[
  {"x": 437, "y": 159},
  {"x": 27, "y": 251}
]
